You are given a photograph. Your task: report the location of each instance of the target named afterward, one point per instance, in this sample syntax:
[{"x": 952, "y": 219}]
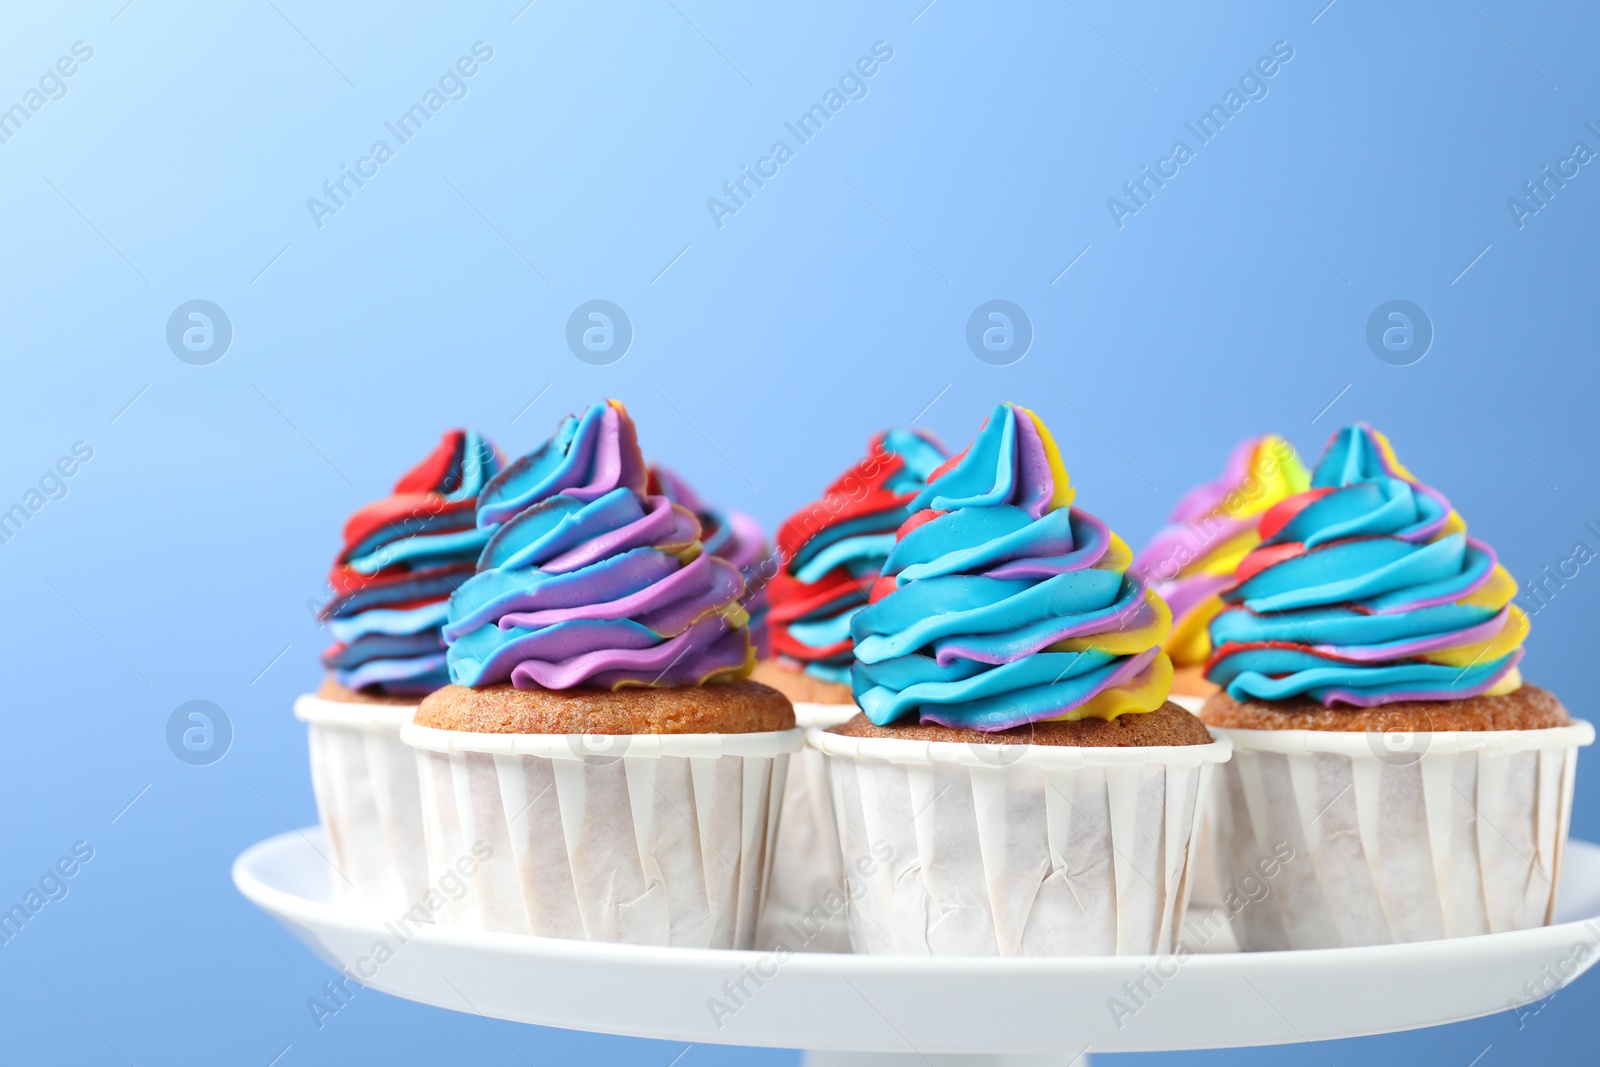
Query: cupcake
[
  {"x": 730, "y": 535},
  {"x": 1368, "y": 653},
  {"x": 600, "y": 752},
  {"x": 829, "y": 554},
  {"x": 391, "y": 583},
  {"x": 1192, "y": 559},
  {"x": 1018, "y": 782}
]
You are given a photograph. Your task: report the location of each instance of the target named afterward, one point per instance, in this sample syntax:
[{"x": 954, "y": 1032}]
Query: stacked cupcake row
[{"x": 569, "y": 699}]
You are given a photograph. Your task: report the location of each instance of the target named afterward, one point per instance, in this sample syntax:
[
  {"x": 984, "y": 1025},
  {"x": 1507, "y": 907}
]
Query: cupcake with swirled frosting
[
  {"x": 1016, "y": 757},
  {"x": 601, "y": 656},
  {"x": 730, "y": 535},
  {"x": 1191, "y": 560},
  {"x": 1369, "y": 657},
  {"x": 829, "y": 554},
  {"x": 402, "y": 557}
]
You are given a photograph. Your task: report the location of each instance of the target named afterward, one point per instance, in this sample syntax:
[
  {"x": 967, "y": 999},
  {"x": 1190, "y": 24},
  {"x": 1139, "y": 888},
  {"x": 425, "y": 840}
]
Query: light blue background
[{"x": 577, "y": 167}]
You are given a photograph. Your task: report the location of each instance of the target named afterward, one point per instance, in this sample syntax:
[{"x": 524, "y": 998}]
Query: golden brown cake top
[
  {"x": 724, "y": 708},
  {"x": 339, "y": 694},
  {"x": 799, "y": 686},
  {"x": 1190, "y": 681},
  {"x": 1528, "y": 708},
  {"x": 1167, "y": 725}
]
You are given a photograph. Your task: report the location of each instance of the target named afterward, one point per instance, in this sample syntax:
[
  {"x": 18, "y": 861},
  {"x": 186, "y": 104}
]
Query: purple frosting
[{"x": 588, "y": 580}]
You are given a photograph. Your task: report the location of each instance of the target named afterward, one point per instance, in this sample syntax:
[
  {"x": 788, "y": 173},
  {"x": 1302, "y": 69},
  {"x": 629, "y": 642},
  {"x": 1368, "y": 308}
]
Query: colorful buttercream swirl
[
  {"x": 1001, "y": 604},
  {"x": 1191, "y": 560},
  {"x": 730, "y": 535},
  {"x": 832, "y": 551},
  {"x": 403, "y": 556},
  {"x": 1366, "y": 590},
  {"x": 590, "y": 580}
]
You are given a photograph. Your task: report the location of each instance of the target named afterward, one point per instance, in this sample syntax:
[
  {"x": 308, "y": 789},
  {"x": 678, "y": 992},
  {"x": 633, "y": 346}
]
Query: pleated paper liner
[
  {"x": 1013, "y": 850},
  {"x": 1207, "y": 888},
  {"x": 368, "y": 800},
  {"x": 801, "y": 908},
  {"x": 649, "y": 839},
  {"x": 1444, "y": 834}
]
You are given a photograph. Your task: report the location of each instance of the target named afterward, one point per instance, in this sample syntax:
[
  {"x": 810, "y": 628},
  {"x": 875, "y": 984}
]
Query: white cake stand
[{"x": 861, "y": 1010}]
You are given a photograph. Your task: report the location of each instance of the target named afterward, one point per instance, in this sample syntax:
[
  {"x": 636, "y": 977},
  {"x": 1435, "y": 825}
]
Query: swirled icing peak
[
  {"x": 832, "y": 550},
  {"x": 402, "y": 557},
  {"x": 730, "y": 535},
  {"x": 1002, "y": 604},
  {"x": 1366, "y": 590},
  {"x": 1192, "y": 559},
  {"x": 589, "y": 580}
]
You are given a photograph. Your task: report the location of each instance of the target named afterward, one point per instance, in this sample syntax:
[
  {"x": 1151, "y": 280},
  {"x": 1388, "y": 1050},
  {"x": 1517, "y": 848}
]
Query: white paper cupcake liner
[
  {"x": 649, "y": 839},
  {"x": 806, "y": 865},
  {"x": 1447, "y": 835},
  {"x": 955, "y": 849},
  {"x": 368, "y": 800},
  {"x": 1206, "y": 882}
]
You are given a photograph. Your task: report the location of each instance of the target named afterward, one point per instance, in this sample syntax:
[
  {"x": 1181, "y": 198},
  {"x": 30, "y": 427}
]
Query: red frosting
[
  {"x": 419, "y": 496},
  {"x": 1278, "y": 515},
  {"x": 1266, "y": 556},
  {"x": 861, "y": 491}
]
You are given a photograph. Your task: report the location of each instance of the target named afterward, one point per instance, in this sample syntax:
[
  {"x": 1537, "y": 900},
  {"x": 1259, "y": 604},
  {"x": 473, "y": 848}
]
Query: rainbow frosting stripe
[
  {"x": 1366, "y": 590},
  {"x": 402, "y": 557},
  {"x": 833, "y": 549},
  {"x": 730, "y": 535},
  {"x": 589, "y": 580},
  {"x": 1001, "y": 604},
  {"x": 1191, "y": 560}
]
